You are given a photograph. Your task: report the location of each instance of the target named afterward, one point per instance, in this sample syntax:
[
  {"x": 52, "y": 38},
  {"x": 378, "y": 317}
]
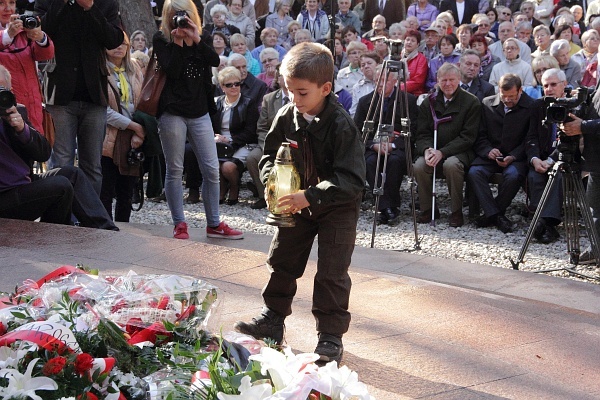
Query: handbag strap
[{"x": 139, "y": 185}]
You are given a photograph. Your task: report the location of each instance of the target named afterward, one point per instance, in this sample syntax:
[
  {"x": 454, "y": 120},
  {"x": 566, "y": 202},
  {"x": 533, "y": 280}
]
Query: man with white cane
[{"x": 449, "y": 144}]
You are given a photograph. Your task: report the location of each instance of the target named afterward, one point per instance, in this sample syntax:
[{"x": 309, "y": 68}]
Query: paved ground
[{"x": 423, "y": 328}]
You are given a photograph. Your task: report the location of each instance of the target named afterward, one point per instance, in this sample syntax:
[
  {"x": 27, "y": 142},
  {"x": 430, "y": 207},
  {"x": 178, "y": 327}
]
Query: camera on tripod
[
  {"x": 135, "y": 157},
  {"x": 557, "y": 110},
  {"x": 394, "y": 45}
]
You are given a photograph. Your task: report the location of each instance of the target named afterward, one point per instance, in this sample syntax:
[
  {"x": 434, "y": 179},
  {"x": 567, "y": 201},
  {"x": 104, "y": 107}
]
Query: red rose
[
  {"x": 54, "y": 366},
  {"x": 2, "y": 329},
  {"x": 83, "y": 363}
]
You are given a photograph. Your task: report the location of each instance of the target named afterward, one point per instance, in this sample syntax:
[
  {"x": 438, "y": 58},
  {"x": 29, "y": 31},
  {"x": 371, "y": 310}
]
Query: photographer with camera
[
  {"x": 590, "y": 129},
  {"x": 124, "y": 87},
  {"x": 51, "y": 196},
  {"x": 542, "y": 154},
  {"x": 183, "y": 113},
  {"x": 23, "y": 43}
]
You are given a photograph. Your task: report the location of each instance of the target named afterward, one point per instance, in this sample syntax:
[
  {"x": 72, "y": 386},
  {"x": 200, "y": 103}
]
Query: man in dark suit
[
  {"x": 389, "y": 201},
  {"x": 468, "y": 8},
  {"x": 77, "y": 88},
  {"x": 506, "y": 120},
  {"x": 469, "y": 66},
  {"x": 392, "y": 10},
  {"x": 271, "y": 104}
]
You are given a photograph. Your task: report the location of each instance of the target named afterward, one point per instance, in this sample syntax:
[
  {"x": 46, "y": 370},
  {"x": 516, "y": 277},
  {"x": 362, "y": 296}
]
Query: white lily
[
  {"x": 283, "y": 367},
  {"x": 9, "y": 358},
  {"x": 344, "y": 383},
  {"x": 24, "y": 385},
  {"x": 248, "y": 391}
]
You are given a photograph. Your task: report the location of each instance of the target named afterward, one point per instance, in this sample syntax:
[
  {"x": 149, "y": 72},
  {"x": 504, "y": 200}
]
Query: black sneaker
[
  {"x": 268, "y": 325},
  {"x": 329, "y": 348}
]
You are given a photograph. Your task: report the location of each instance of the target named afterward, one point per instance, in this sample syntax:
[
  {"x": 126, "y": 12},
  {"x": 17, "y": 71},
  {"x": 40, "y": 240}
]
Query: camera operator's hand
[
  {"x": 572, "y": 128},
  {"x": 540, "y": 166},
  {"x": 14, "y": 119},
  {"x": 14, "y": 26},
  {"x": 85, "y": 4},
  {"x": 189, "y": 34}
]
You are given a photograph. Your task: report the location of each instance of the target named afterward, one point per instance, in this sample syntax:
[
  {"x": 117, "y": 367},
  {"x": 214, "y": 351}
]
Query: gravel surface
[{"x": 467, "y": 243}]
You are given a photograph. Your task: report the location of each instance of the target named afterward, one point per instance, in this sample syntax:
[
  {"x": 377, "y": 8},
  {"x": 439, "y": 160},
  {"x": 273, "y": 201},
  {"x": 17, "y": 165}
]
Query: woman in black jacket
[
  {"x": 183, "y": 113},
  {"x": 235, "y": 125}
]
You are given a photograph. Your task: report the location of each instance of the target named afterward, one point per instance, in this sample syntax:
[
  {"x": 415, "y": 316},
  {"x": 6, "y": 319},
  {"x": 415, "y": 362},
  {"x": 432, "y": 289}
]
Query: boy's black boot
[
  {"x": 268, "y": 324},
  {"x": 329, "y": 348}
]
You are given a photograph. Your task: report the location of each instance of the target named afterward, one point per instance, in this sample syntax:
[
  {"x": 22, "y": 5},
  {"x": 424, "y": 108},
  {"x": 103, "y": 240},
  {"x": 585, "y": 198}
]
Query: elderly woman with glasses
[
  {"x": 589, "y": 54},
  {"x": 234, "y": 124},
  {"x": 219, "y": 17},
  {"x": 539, "y": 65},
  {"x": 512, "y": 65},
  {"x": 269, "y": 59},
  {"x": 542, "y": 39}
]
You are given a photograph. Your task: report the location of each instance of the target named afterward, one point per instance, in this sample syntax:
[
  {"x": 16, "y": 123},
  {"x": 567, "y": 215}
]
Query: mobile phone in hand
[{"x": 500, "y": 158}]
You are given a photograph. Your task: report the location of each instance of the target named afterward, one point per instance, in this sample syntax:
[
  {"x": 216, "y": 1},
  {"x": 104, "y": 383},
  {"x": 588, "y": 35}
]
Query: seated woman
[
  {"x": 269, "y": 59},
  {"x": 566, "y": 32},
  {"x": 219, "y": 42},
  {"x": 139, "y": 42},
  {"x": 219, "y": 17},
  {"x": 559, "y": 49},
  {"x": 480, "y": 45},
  {"x": 539, "y": 65},
  {"x": 543, "y": 39},
  {"x": 238, "y": 45},
  {"x": 513, "y": 65},
  {"x": 464, "y": 33},
  {"x": 234, "y": 124},
  {"x": 446, "y": 44},
  {"x": 589, "y": 54},
  {"x": 416, "y": 63},
  {"x": 292, "y": 27}
]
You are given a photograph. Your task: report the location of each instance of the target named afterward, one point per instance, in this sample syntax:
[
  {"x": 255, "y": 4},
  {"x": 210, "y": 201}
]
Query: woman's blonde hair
[
  {"x": 228, "y": 73},
  {"x": 169, "y": 9}
]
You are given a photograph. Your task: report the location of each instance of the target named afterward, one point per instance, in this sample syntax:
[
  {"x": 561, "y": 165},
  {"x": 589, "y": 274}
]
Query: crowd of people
[
  {"x": 484, "y": 65},
  {"x": 241, "y": 77}
]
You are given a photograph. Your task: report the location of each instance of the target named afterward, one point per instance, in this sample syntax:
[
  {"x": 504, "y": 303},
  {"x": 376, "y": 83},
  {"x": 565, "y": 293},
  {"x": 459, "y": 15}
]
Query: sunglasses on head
[{"x": 230, "y": 85}]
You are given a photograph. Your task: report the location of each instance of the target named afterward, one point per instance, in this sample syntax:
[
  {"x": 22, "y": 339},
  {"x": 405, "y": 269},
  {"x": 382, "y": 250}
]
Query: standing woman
[
  {"x": 139, "y": 41},
  {"x": 314, "y": 20},
  {"x": 424, "y": 12},
  {"x": 280, "y": 20},
  {"x": 237, "y": 18},
  {"x": 124, "y": 87},
  {"x": 183, "y": 114},
  {"x": 19, "y": 54}
]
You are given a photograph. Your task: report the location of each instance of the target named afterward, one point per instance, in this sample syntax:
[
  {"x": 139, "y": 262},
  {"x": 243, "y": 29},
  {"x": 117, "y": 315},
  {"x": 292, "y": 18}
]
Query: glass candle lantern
[{"x": 283, "y": 179}]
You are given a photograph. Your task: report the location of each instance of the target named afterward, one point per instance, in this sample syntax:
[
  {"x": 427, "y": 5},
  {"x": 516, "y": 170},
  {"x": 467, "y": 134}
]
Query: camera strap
[{"x": 13, "y": 51}]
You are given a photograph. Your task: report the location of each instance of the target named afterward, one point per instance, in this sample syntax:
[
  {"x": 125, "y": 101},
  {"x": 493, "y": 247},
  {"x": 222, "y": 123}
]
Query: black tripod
[
  {"x": 573, "y": 196},
  {"x": 385, "y": 133}
]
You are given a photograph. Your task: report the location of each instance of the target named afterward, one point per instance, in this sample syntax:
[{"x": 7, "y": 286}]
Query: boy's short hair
[{"x": 308, "y": 61}]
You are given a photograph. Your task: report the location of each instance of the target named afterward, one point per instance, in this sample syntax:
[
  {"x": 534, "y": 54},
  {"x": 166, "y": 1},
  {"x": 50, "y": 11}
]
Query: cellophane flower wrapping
[{"x": 77, "y": 335}]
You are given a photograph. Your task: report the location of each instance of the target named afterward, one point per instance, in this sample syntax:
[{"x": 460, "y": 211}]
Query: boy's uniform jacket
[{"x": 337, "y": 153}]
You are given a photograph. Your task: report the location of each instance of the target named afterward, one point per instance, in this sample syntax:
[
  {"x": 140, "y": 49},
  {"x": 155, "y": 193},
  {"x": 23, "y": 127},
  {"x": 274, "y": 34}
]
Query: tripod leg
[
  {"x": 378, "y": 190},
  {"x": 570, "y": 221},
  {"x": 538, "y": 213},
  {"x": 588, "y": 220}
]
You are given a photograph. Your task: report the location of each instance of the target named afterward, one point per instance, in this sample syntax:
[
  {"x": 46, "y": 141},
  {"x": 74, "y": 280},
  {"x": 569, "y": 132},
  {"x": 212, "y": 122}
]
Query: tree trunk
[{"x": 137, "y": 15}]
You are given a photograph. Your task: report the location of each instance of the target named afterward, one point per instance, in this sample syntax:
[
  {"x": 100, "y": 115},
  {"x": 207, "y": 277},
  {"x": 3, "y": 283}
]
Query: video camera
[
  {"x": 557, "y": 110},
  {"x": 394, "y": 45}
]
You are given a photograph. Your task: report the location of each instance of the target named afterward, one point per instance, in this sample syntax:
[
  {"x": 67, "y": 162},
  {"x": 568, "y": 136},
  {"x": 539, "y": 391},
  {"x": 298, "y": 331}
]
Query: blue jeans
[
  {"x": 173, "y": 131},
  {"x": 82, "y": 126}
]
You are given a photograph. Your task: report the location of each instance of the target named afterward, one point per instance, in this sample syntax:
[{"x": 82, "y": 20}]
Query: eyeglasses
[
  {"x": 232, "y": 84},
  {"x": 268, "y": 60},
  {"x": 506, "y": 13},
  {"x": 540, "y": 71},
  {"x": 510, "y": 48}
]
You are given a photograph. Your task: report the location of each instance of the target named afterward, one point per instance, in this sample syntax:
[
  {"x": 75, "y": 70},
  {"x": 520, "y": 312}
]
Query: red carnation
[
  {"x": 54, "y": 366},
  {"x": 83, "y": 363}
]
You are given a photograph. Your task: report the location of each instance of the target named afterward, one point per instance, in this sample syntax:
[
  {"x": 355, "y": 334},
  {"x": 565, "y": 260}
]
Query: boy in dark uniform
[{"x": 329, "y": 156}]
